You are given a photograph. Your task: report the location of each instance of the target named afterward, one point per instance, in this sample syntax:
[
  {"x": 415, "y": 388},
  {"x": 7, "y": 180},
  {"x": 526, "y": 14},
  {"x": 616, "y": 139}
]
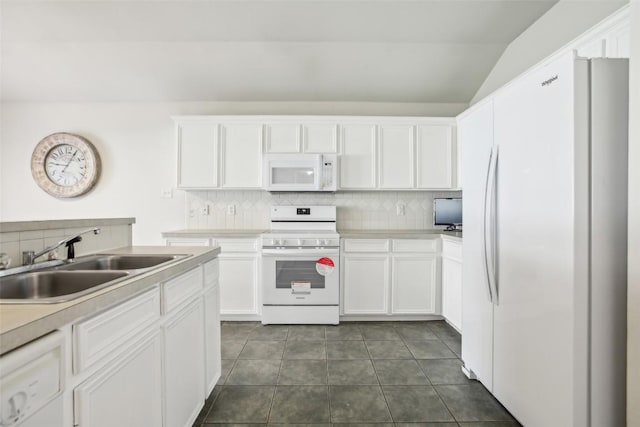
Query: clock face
[{"x": 65, "y": 165}]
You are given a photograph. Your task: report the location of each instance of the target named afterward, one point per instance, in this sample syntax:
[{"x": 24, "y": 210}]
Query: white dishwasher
[{"x": 31, "y": 384}]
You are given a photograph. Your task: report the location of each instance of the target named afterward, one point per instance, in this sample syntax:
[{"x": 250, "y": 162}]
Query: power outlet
[
  {"x": 231, "y": 209},
  {"x": 204, "y": 210},
  {"x": 166, "y": 193},
  {"x": 192, "y": 213},
  {"x": 400, "y": 209}
]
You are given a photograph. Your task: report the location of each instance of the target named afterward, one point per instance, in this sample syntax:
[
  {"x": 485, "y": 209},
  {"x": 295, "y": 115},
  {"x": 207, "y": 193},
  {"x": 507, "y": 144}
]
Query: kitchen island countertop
[{"x": 21, "y": 323}]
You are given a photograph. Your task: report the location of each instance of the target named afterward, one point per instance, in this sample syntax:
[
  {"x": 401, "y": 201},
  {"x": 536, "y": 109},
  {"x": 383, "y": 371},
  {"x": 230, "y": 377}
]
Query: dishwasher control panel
[{"x": 31, "y": 376}]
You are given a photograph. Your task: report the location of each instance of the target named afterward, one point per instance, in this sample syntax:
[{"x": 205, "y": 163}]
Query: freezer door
[
  {"x": 540, "y": 321},
  {"x": 475, "y": 134}
]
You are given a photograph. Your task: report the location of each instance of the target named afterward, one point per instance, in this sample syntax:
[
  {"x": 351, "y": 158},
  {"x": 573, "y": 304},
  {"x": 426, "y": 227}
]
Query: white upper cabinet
[
  {"x": 320, "y": 137},
  {"x": 197, "y": 154},
  {"x": 374, "y": 153},
  {"x": 282, "y": 138},
  {"x": 435, "y": 154},
  {"x": 396, "y": 154},
  {"x": 241, "y": 155},
  {"x": 358, "y": 156}
]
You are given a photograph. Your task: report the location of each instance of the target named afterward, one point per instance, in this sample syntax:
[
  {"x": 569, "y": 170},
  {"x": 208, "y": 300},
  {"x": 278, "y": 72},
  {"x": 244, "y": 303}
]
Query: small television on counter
[{"x": 448, "y": 212}]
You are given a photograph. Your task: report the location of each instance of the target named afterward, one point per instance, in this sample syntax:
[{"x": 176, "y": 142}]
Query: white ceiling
[{"x": 255, "y": 50}]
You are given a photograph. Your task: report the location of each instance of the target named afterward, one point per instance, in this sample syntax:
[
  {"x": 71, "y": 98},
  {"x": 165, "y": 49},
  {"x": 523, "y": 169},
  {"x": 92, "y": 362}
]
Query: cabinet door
[
  {"x": 365, "y": 284},
  {"x": 197, "y": 155},
  {"x": 241, "y": 151},
  {"x": 358, "y": 157},
  {"x": 435, "y": 156},
  {"x": 320, "y": 138},
  {"x": 414, "y": 284},
  {"x": 127, "y": 393},
  {"x": 282, "y": 138},
  {"x": 184, "y": 370},
  {"x": 452, "y": 291},
  {"x": 212, "y": 338},
  {"x": 396, "y": 153},
  {"x": 239, "y": 284}
]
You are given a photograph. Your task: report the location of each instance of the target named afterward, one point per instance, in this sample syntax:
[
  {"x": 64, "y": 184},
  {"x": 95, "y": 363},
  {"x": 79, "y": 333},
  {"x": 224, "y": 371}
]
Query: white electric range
[{"x": 301, "y": 266}]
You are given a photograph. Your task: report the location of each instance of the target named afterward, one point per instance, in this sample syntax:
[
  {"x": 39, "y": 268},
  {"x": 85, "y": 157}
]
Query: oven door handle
[{"x": 300, "y": 252}]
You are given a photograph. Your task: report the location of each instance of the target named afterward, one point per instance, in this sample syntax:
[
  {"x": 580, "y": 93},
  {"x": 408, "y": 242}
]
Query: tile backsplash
[
  {"x": 357, "y": 210},
  {"x": 15, "y": 242}
]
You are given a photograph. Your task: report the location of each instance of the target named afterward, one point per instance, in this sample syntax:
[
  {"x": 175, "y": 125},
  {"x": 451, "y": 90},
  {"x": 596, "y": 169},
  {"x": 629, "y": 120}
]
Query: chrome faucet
[{"x": 29, "y": 257}]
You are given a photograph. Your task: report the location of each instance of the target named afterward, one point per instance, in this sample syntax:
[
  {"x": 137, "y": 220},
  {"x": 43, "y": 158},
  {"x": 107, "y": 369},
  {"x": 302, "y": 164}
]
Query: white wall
[
  {"x": 561, "y": 24},
  {"x": 138, "y": 154},
  {"x": 633, "y": 313}
]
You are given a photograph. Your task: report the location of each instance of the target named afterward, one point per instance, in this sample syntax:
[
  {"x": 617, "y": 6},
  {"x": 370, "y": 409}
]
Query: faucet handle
[
  {"x": 5, "y": 261},
  {"x": 71, "y": 252}
]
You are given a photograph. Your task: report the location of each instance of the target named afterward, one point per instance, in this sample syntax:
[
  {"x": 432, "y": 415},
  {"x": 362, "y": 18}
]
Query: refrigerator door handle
[
  {"x": 485, "y": 256},
  {"x": 490, "y": 223}
]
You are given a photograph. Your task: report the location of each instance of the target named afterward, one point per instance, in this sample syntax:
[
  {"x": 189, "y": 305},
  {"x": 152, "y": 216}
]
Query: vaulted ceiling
[{"x": 432, "y": 51}]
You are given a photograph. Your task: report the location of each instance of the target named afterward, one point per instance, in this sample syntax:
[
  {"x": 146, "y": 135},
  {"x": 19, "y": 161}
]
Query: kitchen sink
[
  {"x": 119, "y": 262},
  {"x": 55, "y": 286}
]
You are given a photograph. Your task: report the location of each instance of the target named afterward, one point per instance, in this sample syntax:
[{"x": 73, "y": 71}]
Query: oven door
[{"x": 300, "y": 276}]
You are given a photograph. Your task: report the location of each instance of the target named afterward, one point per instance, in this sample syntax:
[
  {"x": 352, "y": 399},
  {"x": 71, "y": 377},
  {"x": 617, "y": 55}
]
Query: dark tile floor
[{"x": 402, "y": 374}]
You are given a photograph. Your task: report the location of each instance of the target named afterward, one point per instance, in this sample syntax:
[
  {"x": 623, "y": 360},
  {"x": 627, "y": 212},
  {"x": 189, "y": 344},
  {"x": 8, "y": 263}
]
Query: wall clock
[{"x": 65, "y": 165}]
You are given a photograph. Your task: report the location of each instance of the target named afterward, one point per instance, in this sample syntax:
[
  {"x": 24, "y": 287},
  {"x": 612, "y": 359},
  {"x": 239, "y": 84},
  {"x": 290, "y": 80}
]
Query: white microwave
[{"x": 300, "y": 172}]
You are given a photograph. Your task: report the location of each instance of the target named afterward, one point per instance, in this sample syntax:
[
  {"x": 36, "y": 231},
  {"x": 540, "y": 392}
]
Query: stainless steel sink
[
  {"x": 55, "y": 286},
  {"x": 119, "y": 262}
]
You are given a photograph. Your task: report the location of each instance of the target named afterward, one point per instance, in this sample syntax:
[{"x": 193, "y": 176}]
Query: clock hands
[{"x": 70, "y": 160}]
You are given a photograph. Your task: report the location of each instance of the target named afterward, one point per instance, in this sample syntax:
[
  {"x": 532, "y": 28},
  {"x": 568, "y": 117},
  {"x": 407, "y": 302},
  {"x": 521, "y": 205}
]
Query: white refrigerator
[{"x": 544, "y": 166}]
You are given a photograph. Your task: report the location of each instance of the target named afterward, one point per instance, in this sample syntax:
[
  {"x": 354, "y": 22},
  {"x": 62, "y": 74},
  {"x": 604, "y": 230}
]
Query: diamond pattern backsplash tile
[{"x": 357, "y": 210}]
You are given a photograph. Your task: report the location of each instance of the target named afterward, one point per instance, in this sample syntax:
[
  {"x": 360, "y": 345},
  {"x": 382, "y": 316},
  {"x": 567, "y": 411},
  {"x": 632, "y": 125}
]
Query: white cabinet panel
[
  {"x": 414, "y": 284},
  {"x": 396, "y": 154},
  {"x": 282, "y": 138},
  {"x": 125, "y": 394},
  {"x": 320, "y": 138},
  {"x": 103, "y": 335},
  {"x": 452, "y": 291},
  {"x": 435, "y": 156},
  {"x": 212, "y": 338},
  {"x": 358, "y": 156},
  {"x": 197, "y": 155},
  {"x": 365, "y": 284},
  {"x": 239, "y": 284},
  {"x": 184, "y": 369},
  {"x": 187, "y": 241},
  {"x": 241, "y": 155}
]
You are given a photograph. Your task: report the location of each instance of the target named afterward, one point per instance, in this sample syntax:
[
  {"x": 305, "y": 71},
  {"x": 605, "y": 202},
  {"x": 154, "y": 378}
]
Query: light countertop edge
[
  {"x": 347, "y": 234},
  {"x": 208, "y": 233},
  {"x": 13, "y": 226},
  {"x": 21, "y": 323},
  {"x": 399, "y": 234}
]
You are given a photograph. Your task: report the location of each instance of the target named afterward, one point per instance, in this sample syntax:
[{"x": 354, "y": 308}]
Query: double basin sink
[{"x": 88, "y": 274}]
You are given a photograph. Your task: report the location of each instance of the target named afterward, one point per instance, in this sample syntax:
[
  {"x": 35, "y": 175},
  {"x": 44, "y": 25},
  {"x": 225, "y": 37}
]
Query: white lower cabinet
[
  {"x": 147, "y": 361},
  {"x": 452, "y": 283},
  {"x": 239, "y": 284},
  {"x": 413, "y": 284},
  {"x": 184, "y": 370},
  {"x": 211, "y": 300},
  {"x": 126, "y": 393},
  {"x": 365, "y": 283},
  {"x": 398, "y": 277}
]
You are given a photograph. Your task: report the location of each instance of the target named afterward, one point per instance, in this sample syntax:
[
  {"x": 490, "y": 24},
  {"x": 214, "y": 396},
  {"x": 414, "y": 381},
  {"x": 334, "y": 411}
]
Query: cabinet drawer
[
  {"x": 237, "y": 245},
  {"x": 181, "y": 288},
  {"x": 415, "y": 245},
  {"x": 104, "y": 334},
  {"x": 211, "y": 272},
  {"x": 366, "y": 245},
  {"x": 452, "y": 249}
]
